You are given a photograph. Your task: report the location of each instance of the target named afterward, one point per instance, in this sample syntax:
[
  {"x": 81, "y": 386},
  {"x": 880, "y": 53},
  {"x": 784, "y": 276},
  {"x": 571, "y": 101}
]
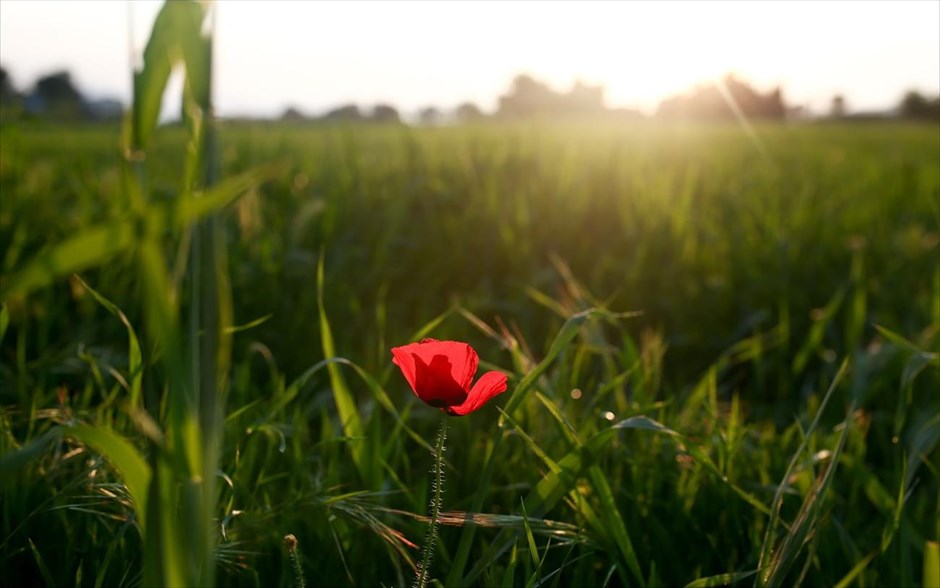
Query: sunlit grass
[{"x": 723, "y": 363}]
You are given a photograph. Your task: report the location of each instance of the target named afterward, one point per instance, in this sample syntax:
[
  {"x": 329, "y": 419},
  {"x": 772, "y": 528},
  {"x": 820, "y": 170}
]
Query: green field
[{"x": 722, "y": 355}]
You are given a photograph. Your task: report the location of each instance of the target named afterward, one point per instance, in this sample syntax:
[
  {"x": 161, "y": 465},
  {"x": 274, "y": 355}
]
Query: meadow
[
  {"x": 747, "y": 280},
  {"x": 722, "y": 353}
]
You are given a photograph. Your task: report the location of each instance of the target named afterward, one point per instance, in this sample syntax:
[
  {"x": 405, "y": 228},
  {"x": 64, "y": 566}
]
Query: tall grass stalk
[{"x": 179, "y": 550}]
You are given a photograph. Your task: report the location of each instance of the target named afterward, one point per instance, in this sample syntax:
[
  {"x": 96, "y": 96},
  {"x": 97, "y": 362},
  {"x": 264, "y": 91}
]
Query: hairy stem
[{"x": 437, "y": 490}]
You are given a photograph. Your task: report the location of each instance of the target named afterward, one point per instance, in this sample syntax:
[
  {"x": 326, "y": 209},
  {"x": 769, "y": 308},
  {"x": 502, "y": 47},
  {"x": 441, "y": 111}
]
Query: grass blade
[
  {"x": 817, "y": 331},
  {"x": 720, "y": 579},
  {"x": 134, "y": 362},
  {"x": 89, "y": 248},
  {"x": 124, "y": 457},
  {"x": 345, "y": 403},
  {"x": 97, "y": 245},
  {"x": 175, "y": 23},
  {"x": 41, "y": 564},
  {"x": 857, "y": 569},
  {"x": 781, "y": 556},
  {"x": 559, "y": 344},
  {"x": 768, "y": 545}
]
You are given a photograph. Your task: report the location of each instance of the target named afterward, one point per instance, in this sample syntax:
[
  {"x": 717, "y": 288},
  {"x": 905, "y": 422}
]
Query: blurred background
[{"x": 426, "y": 60}]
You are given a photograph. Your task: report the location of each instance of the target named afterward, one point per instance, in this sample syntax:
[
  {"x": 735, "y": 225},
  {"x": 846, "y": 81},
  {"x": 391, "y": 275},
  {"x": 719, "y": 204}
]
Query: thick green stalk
[
  {"x": 437, "y": 490},
  {"x": 180, "y": 541}
]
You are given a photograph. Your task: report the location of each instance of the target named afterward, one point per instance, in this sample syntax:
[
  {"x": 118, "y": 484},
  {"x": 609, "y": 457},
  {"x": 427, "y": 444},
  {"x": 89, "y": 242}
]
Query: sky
[{"x": 317, "y": 55}]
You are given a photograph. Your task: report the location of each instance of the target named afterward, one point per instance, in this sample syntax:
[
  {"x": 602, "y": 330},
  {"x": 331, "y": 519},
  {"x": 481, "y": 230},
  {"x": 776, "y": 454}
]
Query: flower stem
[{"x": 437, "y": 488}]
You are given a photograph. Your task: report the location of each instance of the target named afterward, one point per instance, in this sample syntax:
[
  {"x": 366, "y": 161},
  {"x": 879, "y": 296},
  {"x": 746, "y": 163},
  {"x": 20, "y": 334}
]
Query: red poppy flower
[{"x": 440, "y": 373}]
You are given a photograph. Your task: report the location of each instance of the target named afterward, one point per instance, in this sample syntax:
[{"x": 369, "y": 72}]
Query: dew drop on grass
[{"x": 609, "y": 415}]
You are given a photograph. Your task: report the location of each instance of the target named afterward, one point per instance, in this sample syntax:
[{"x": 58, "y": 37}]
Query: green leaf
[
  {"x": 720, "y": 579},
  {"x": 857, "y": 569},
  {"x": 188, "y": 210},
  {"x": 11, "y": 461},
  {"x": 817, "y": 331},
  {"x": 41, "y": 563},
  {"x": 530, "y": 538},
  {"x": 777, "y": 558},
  {"x": 560, "y": 343},
  {"x": 644, "y": 423},
  {"x": 380, "y": 395},
  {"x": 768, "y": 549},
  {"x": 536, "y": 449},
  {"x": 345, "y": 403},
  {"x": 549, "y": 490},
  {"x": 695, "y": 450},
  {"x": 124, "y": 457},
  {"x": 134, "y": 363},
  {"x": 566, "y": 428},
  {"x": 613, "y": 521},
  {"x": 96, "y": 245},
  {"x": 176, "y": 24},
  {"x": 898, "y": 339},
  {"x": 611, "y": 524},
  {"x": 87, "y": 249},
  {"x": 249, "y": 325}
]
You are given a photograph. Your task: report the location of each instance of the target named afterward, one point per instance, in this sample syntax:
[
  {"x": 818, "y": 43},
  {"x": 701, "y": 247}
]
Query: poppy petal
[
  {"x": 439, "y": 372},
  {"x": 462, "y": 359},
  {"x": 489, "y": 385},
  {"x": 434, "y": 381},
  {"x": 403, "y": 357}
]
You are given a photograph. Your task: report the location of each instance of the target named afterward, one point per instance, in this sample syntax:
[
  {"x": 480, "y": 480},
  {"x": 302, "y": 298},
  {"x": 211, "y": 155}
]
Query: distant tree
[
  {"x": 527, "y": 97},
  {"x": 915, "y": 105},
  {"x": 429, "y": 115},
  {"x": 384, "y": 113},
  {"x": 8, "y": 94},
  {"x": 837, "y": 108},
  {"x": 583, "y": 99},
  {"x": 56, "y": 96},
  {"x": 773, "y": 105},
  {"x": 348, "y": 112},
  {"x": 10, "y": 100},
  {"x": 719, "y": 100},
  {"x": 468, "y": 112},
  {"x": 292, "y": 114}
]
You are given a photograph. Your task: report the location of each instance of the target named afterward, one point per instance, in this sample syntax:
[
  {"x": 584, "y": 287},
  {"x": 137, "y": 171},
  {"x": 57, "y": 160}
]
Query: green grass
[
  {"x": 768, "y": 416},
  {"x": 755, "y": 280}
]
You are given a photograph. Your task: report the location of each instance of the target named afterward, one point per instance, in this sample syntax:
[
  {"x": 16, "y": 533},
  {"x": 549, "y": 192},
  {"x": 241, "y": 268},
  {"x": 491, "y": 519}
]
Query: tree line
[{"x": 56, "y": 97}]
